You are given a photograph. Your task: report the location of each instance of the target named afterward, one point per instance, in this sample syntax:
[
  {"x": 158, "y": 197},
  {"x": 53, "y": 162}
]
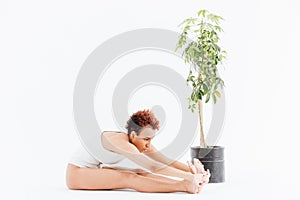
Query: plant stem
[{"x": 202, "y": 139}]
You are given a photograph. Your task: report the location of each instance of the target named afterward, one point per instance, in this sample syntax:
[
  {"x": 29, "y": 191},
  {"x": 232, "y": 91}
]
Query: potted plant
[{"x": 199, "y": 41}]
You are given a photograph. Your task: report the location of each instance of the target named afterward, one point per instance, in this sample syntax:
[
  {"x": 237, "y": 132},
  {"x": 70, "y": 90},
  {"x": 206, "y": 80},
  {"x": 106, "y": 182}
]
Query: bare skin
[
  {"x": 103, "y": 179},
  {"x": 137, "y": 148}
]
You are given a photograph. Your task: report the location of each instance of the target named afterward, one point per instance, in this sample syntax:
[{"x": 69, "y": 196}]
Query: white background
[{"x": 44, "y": 43}]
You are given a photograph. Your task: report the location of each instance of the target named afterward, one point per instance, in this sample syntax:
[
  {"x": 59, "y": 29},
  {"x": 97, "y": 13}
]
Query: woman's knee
[
  {"x": 71, "y": 181},
  {"x": 78, "y": 178},
  {"x": 128, "y": 175}
]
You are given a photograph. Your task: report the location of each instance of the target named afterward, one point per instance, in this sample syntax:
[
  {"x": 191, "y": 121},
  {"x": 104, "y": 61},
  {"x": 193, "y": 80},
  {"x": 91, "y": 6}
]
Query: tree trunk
[{"x": 200, "y": 111}]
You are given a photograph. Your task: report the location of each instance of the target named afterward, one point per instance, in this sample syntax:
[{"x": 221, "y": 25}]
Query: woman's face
[{"x": 143, "y": 140}]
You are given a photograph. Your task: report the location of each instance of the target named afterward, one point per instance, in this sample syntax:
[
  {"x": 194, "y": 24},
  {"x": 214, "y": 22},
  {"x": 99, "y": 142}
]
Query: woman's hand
[{"x": 198, "y": 168}]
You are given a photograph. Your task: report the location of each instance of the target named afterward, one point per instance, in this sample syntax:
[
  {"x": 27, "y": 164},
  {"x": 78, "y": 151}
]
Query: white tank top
[{"x": 82, "y": 158}]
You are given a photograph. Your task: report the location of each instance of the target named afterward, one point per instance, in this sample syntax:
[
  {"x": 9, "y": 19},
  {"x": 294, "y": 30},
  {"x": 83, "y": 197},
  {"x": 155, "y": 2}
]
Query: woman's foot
[
  {"x": 195, "y": 185},
  {"x": 198, "y": 168}
]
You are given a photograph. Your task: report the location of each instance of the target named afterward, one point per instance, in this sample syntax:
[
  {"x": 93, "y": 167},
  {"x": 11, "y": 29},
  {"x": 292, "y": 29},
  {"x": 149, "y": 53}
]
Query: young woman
[{"x": 86, "y": 172}]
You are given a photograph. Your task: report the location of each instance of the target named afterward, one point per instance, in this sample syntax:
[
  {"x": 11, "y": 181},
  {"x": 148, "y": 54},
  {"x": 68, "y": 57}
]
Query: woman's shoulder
[
  {"x": 117, "y": 142},
  {"x": 115, "y": 135}
]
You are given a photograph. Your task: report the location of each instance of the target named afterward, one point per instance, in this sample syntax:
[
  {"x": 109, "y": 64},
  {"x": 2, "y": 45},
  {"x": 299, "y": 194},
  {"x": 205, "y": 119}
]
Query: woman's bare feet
[
  {"x": 198, "y": 168},
  {"x": 195, "y": 185}
]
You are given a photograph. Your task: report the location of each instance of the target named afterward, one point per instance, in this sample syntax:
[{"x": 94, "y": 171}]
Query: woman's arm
[
  {"x": 156, "y": 155},
  {"x": 180, "y": 166},
  {"x": 197, "y": 168},
  {"x": 131, "y": 152}
]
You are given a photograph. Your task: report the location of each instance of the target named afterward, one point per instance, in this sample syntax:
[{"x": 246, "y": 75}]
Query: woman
[{"x": 86, "y": 172}]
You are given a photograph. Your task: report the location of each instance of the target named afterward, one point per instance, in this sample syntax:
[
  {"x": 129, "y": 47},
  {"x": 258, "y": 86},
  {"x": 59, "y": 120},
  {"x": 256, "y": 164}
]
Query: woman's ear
[{"x": 132, "y": 135}]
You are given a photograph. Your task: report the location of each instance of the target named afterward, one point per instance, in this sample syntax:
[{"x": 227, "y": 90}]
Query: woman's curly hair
[{"x": 141, "y": 119}]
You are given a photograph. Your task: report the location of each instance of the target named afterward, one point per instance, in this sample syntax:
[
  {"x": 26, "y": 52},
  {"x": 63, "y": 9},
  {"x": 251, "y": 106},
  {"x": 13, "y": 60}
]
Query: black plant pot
[{"x": 212, "y": 158}]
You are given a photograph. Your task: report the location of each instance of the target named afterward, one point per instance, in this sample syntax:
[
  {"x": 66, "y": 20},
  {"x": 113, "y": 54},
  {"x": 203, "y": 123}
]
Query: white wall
[{"x": 43, "y": 45}]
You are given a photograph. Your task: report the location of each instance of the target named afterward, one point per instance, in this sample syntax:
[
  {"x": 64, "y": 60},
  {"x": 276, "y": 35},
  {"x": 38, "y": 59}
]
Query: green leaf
[
  {"x": 218, "y": 93},
  {"x": 205, "y": 88},
  {"x": 207, "y": 98},
  {"x": 215, "y": 99},
  {"x": 201, "y": 12},
  {"x": 218, "y": 28},
  {"x": 215, "y": 87},
  {"x": 186, "y": 28},
  {"x": 199, "y": 95}
]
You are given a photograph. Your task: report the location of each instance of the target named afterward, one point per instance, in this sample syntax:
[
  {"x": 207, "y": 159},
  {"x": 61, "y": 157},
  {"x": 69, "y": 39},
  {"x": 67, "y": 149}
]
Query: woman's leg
[
  {"x": 143, "y": 173},
  {"x": 158, "y": 177},
  {"x": 97, "y": 179},
  {"x": 166, "y": 179}
]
